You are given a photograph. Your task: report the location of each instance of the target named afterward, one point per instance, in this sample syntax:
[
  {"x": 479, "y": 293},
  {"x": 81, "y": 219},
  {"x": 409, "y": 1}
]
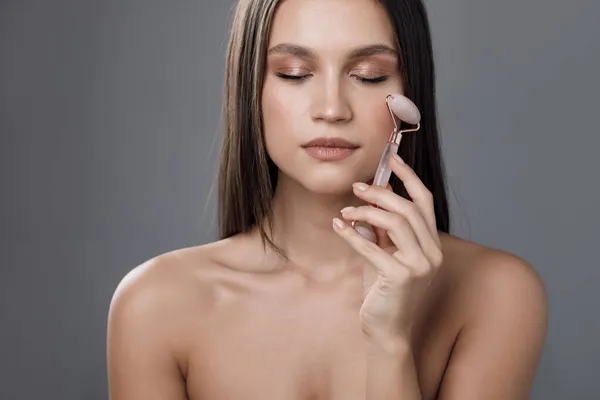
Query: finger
[
  {"x": 383, "y": 240},
  {"x": 381, "y": 236},
  {"x": 416, "y": 189},
  {"x": 396, "y": 204},
  {"x": 396, "y": 227},
  {"x": 404, "y": 109},
  {"x": 385, "y": 264}
]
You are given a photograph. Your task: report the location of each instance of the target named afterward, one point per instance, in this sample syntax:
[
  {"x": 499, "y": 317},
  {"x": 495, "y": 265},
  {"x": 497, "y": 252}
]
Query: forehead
[{"x": 331, "y": 24}]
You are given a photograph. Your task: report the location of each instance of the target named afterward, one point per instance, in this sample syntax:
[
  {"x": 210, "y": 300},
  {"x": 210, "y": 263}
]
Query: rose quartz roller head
[{"x": 405, "y": 110}]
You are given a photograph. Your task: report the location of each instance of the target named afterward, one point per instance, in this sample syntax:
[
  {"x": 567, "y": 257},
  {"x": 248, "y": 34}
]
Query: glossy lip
[
  {"x": 322, "y": 153},
  {"x": 331, "y": 142}
]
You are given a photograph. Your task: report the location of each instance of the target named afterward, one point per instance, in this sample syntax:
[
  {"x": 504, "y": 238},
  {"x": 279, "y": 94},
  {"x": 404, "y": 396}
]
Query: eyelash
[{"x": 302, "y": 77}]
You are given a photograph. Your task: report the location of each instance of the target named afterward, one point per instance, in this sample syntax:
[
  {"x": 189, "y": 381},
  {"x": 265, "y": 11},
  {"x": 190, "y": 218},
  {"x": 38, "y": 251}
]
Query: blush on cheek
[
  {"x": 273, "y": 113},
  {"x": 382, "y": 122},
  {"x": 277, "y": 124}
]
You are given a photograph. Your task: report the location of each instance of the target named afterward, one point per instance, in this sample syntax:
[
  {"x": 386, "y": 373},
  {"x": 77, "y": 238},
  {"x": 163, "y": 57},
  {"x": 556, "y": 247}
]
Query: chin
[
  {"x": 327, "y": 183},
  {"x": 326, "y": 179},
  {"x": 326, "y": 187}
]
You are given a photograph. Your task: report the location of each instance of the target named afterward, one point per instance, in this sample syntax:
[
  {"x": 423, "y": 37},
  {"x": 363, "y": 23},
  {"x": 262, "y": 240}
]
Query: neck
[{"x": 302, "y": 227}]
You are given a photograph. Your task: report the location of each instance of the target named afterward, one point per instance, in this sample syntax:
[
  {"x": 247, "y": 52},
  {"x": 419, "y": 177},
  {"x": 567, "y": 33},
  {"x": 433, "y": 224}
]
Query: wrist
[{"x": 390, "y": 344}]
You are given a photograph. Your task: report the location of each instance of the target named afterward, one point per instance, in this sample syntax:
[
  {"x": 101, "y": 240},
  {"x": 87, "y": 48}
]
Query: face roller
[{"x": 402, "y": 108}]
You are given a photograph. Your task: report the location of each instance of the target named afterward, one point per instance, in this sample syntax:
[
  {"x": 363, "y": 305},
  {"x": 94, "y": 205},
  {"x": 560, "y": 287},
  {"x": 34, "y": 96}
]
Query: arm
[
  {"x": 141, "y": 362},
  {"x": 391, "y": 372},
  {"x": 497, "y": 352},
  {"x": 500, "y": 344}
]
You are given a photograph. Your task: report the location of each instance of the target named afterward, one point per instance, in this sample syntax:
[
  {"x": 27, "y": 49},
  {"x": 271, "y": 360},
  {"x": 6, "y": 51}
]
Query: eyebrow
[{"x": 360, "y": 52}]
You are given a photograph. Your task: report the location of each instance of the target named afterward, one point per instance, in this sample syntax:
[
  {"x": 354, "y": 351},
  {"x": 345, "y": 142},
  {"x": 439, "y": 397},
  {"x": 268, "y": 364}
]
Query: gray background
[{"x": 108, "y": 115}]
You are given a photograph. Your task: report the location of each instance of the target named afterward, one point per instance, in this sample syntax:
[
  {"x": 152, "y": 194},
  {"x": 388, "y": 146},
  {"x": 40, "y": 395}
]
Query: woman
[{"x": 293, "y": 304}]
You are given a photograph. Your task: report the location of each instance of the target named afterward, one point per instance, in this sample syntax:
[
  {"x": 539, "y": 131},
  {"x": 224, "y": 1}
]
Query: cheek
[
  {"x": 383, "y": 121},
  {"x": 273, "y": 109},
  {"x": 273, "y": 112},
  {"x": 375, "y": 117},
  {"x": 277, "y": 122},
  {"x": 377, "y": 124}
]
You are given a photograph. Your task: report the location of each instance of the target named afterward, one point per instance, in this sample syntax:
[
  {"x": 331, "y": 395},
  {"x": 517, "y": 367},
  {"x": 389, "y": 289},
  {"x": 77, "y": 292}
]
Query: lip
[
  {"x": 331, "y": 142},
  {"x": 330, "y": 149},
  {"x": 329, "y": 153}
]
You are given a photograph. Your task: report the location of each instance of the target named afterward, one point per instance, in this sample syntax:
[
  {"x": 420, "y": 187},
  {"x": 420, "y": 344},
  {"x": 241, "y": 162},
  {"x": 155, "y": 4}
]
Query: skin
[{"x": 227, "y": 320}]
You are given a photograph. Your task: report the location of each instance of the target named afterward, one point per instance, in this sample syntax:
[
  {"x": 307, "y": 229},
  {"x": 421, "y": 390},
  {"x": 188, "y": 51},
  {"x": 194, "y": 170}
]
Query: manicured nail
[
  {"x": 348, "y": 210},
  {"x": 339, "y": 223},
  {"x": 397, "y": 157},
  {"x": 360, "y": 186}
]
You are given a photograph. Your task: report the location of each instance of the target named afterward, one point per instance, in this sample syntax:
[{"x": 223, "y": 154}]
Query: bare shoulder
[
  {"x": 502, "y": 305},
  {"x": 160, "y": 282},
  {"x": 178, "y": 280},
  {"x": 153, "y": 322},
  {"x": 176, "y": 284},
  {"x": 486, "y": 272}
]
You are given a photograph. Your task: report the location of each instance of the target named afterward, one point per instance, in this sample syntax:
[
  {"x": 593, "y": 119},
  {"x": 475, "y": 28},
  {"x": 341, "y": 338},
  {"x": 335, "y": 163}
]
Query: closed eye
[
  {"x": 373, "y": 80},
  {"x": 378, "y": 79},
  {"x": 291, "y": 77}
]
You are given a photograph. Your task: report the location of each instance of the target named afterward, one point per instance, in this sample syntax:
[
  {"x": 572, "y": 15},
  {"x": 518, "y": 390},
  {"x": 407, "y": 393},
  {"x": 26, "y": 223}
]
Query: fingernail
[
  {"x": 397, "y": 157},
  {"x": 360, "y": 186},
  {"x": 339, "y": 223},
  {"x": 348, "y": 210}
]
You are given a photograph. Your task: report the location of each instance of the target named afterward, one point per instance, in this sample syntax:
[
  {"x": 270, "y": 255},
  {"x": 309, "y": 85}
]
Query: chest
[{"x": 298, "y": 353}]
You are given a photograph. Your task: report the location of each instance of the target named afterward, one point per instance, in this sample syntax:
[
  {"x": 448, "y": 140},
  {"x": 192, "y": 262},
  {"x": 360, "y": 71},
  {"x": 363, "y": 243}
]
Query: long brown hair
[{"x": 247, "y": 175}]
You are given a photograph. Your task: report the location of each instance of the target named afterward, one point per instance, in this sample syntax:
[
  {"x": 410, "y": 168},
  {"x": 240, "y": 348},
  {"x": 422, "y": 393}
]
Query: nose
[{"x": 330, "y": 103}]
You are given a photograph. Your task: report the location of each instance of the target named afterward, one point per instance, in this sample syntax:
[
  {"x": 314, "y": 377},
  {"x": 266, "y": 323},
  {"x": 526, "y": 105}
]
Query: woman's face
[{"x": 330, "y": 65}]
